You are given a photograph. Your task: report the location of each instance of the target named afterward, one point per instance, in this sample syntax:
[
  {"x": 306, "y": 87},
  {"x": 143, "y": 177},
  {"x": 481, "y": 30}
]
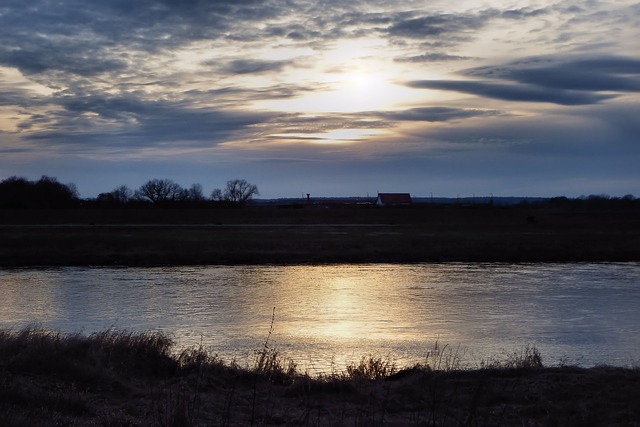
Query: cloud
[
  {"x": 605, "y": 73},
  {"x": 512, "y": 92},
  {"x": 237, "y": 96},
  {"x": 437, "y": 114},
  {"x": 436, "y": 25},
  {"x": 456, "y": 25},
  {"x": 122, "y": 121},
  {"x": 86, "y": 41},
  {"x": 36, "y": 54},
  {"x": 298, "y": 123},
  {"x": 40, "y": 59},
  {"x": 578, "y": 81},
  {"x": 314, "y": 124},
  {"x": 252, "y": 66},
  {"x": 523, "y": 13},
  {"x": 431, "y": 57},
  {"x": 16, "y": 97}
]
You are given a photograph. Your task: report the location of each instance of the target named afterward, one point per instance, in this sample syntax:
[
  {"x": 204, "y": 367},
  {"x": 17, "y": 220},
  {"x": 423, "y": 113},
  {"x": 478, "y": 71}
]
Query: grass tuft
[
  {"x": 443, "y": 358},
  {"x": 371, "y": 368},
  {"x": 269, "y": 363},
  {"x": 527, "y": 358}
]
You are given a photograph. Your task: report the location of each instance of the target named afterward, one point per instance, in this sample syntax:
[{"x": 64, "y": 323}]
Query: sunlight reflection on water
[{"x": 328, "y": 314}]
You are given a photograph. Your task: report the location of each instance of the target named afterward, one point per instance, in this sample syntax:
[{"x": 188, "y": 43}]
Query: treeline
[
  {"x": 594, "y": 201},
  {"x": 47, "y": 192}
]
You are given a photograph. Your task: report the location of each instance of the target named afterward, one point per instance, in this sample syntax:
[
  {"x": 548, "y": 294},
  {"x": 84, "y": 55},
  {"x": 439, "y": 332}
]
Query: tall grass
[
  {"x": 124, "y": 378},
  {"x": 371, "y": 368},
  {"x": 101, "y": 355},
  {"x": 527, "y": 358},
  {"x": 443, "y": 358},
  {"x": 35, "y": 349}
]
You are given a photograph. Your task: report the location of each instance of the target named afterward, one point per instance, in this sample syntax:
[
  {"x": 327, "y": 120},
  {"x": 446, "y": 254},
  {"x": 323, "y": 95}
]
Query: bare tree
[
  {"x": 194, "y": 193},
  {"x": 120, "y": 194},
  {"x": 216, "y": 195},
  {"x": 237, "y": 191},
  {"x": 159, "y": 190}
]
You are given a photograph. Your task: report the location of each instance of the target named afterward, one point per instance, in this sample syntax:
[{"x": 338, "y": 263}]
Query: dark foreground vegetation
[{"x": 116, "y": 378}]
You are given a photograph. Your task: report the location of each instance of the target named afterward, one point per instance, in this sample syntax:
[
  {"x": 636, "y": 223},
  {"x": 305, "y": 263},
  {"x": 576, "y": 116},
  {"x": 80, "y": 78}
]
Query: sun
[
  {"x": 348, "y": 92},
  {"x": 358, "y": 81},
  {"x": 358, "y": 92},
  {"x": 351, "y": 82},
  {"x": 351, "y": 76},
  {"x": 362, "y": 90}
]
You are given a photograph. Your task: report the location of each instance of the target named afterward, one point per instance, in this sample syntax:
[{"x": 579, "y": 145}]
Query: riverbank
[
  {"x": 119, "y": 378},
  {"x": 259, "y": 235}
]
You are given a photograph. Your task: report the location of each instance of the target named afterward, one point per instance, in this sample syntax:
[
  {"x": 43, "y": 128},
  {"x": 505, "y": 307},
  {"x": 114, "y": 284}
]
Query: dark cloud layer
[
  {"x": 432, "y": 57},
  {"x": 605, "y": 73},
  {"x": 512, "y": 92},
  {"x": 248, "y": 66},
  {"x": 436, "y": 25},
  {"x": 576, "y": 82},
  {"x": 128, "y": 120},
  {"x": 437, "y": 114}
]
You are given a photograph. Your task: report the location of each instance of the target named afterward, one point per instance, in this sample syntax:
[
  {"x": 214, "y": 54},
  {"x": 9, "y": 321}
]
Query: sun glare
[
  {"x": 348, "y": 93},
  {"x": 352, "y": 77},
  {"x": 357, "y": 81}
]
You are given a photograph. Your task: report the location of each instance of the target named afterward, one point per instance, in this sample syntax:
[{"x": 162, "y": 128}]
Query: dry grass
[
  {"x": 527, "y": 358},
  {"x": 119, "y": 378}
]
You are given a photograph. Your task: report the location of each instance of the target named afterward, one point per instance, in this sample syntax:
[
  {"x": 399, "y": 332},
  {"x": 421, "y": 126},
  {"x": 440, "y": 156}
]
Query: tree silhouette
[
  {"x": 16, "y": 192},
  {"x": 119, "y": 195},
  {"x": 159, "y": 190},
  {"x": 47, "y": 192},
  {"x": 194, "y": 193},
  {"x": 216, "y": 195},
  {"x": 236, "y": 191}
]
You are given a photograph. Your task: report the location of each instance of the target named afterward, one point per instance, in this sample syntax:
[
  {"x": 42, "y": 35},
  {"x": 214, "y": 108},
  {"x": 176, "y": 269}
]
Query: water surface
[{"x": 329, "y": 315}]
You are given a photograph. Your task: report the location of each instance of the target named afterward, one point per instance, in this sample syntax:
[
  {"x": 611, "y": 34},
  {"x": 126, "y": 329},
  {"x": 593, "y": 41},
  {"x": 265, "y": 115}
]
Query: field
[{"x": 257, "y": 235}]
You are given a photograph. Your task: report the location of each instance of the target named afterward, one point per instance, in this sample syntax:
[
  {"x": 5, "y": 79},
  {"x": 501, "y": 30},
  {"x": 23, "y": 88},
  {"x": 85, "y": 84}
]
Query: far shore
[{"x": 268, "y": 235}]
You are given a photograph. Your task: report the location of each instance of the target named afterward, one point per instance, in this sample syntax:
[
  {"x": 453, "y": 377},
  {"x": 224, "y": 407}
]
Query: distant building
[{"x": 393, "y": 199}]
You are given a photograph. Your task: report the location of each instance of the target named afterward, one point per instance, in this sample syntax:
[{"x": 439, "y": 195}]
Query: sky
[{"x": 332, "y": 98}]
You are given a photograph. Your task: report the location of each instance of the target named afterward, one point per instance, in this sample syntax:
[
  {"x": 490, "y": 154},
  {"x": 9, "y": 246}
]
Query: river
[{"x": 328, "y": 315}]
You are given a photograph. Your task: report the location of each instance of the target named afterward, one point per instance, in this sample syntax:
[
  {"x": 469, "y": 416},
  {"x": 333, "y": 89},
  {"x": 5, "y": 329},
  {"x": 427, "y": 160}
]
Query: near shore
[{"x": 122, "y": 379}]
